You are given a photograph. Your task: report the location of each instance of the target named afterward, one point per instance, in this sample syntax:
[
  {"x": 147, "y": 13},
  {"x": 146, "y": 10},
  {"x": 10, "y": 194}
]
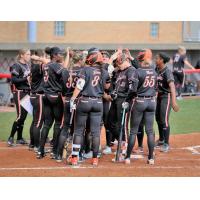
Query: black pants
[
  {"x": 163, "y": 109},
  {"x": 37, "y": 103},
  {"x": 179, "y": 78},
  {"x": 21, "y": 114},
  {"x": 92, "y": 109},
  {"x": 106, "y": 108},
  {"x": 115, "y": 117},
  {"x": 142, "y": 108},
  {"x": 67, "y": 129},
  {"x": 53, "y": 110}
]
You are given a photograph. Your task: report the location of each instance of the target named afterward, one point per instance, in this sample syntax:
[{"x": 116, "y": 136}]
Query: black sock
[
  {"x": 161, "y": 135},
  {"x": 19, "y": 132},
  {"x": 151, "y": 144},
  {"x": 14, "y": 129},
  {"x": 131, "y": 142},
  {"x": 95, "y": 146},
  {"x": 166, "y": 132}
]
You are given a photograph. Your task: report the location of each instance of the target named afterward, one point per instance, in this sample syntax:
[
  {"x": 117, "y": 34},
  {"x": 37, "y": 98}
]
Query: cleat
[
  {"x": 73, "y": 161},
  {"x": 36, "y": 149},
  {"x": 10, "y": 141},
  {"x": 151, "y": 162},
  {"x": 59, "y": 159},
  {"x": 127, "y": 161},
  {"x": 159, "y": 143},
  {"x": 140, "y": 150},
  {"x": 88, "y": 155},
  {"x": 107, "y": 150},
  {"x": 164, "y": 148},
  {"x": 31, "y": 147},
  {"x": 53, "y": 155},
  {"x": 22, "y": 142},
  {"x": 95, "y": 161},
  {"x": 40, "y": 155}
]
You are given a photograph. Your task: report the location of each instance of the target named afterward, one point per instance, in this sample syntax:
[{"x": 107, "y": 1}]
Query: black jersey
[
  {"x": 69, "y": 80},
  {"x": 164, "y": 77},
  {"x": 178, "y": 62},
  {"x": 53, "y": 78},
  {"x": 121, "y": 81},
  {"x": 36, "y": 78},
  {"x": 146, "y": 82},
  {"x": 95, "y": 78},
  {"x": 19, "y": 73}
]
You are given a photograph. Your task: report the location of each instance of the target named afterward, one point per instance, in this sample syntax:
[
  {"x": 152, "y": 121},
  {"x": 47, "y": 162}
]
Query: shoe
[
  {"x": 36, "y": 149},
  {"x": 107, "y": 150},
  {"x": 30, "y": 147},
  {"x": 88, "y": 155},
  {"x": 22, "y": 142},
  {"x": 59, "y": 159},
  {"x": 53, "y": 156},
  {"x": 151, "y": 161},
  {"x": 159, "y": 143},
  {"x": 95, "y": 161},
  {"x": 124, "y": 147},
  {"x": 10, "y": 141},
  {"x": 140, "y": 150},
  {"x": 164, "y": 148},
  {"x": 127, "y": 161},
  {"x": 40, "y": 155},
  {"x": 73, "y": 161}
]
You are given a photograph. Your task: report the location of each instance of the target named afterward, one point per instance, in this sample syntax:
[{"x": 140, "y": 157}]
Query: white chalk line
[{"x": 99, "y": 167}]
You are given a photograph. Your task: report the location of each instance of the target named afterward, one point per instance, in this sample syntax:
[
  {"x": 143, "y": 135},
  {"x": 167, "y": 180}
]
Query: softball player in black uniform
[
  {"x": 20, "y": 78},
  {"x": 91, "y": 83},
  {"x": 122, "y": 80},
  {"x": 179, "y": 60},
  {"x": 144, "y": 88},
  {"x": 53, "y": 104},
  {"x": 36, "y": 97},
  {"x": 165, "y": 99},
  {"x": 69, "y": 83}
]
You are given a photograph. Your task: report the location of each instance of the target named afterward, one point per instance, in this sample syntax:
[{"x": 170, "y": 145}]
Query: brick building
[{"x": 156, "y": 35}]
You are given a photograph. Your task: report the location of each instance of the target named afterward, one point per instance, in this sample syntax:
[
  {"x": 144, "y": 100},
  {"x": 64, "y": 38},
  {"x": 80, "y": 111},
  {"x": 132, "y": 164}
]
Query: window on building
[
  {"x": 154, "y": 30},
  {"x": 59, "y": 28}
]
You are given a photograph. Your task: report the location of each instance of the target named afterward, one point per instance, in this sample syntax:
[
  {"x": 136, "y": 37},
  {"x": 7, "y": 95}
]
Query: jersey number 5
[{"x": 149, "y": 81}]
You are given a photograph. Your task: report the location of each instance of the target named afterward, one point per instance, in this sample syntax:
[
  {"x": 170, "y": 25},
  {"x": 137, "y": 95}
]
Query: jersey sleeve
[
  {"x": 15, "y": 74},
  {"x": 169, "y": 76},
  {"x": 184, "y": 58},
  {"x": 82, "y": 74},
  {"x": 105, "y": 77},
  {"x": 58, "y": 68}
]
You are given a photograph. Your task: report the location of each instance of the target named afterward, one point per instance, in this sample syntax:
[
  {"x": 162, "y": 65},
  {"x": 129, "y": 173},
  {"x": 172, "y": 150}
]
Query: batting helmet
[
  {"x": 145, "y": 54},
  {"x": 94, "y": 56}
]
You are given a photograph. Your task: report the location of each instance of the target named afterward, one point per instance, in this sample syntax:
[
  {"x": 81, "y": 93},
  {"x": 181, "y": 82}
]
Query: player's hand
[
  {"x": 34, "y": 57},
  {"x": 175, "y": 107},
  {"x": 107, "y": 97},
  {"x": 72, "y": 105}
]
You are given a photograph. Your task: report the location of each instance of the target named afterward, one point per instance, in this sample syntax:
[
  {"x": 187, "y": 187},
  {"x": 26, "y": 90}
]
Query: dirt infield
[{"x": 182, "y": 160}]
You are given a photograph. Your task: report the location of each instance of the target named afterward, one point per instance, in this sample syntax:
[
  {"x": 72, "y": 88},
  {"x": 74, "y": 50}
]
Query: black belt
[
  {"x": 146, "y": 97},
  {"x": 90, "y": 97},
  {"x": 23, "y": 90}
]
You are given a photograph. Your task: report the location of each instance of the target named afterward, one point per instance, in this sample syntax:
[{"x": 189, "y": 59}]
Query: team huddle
[{"x": 84, "y": 94}]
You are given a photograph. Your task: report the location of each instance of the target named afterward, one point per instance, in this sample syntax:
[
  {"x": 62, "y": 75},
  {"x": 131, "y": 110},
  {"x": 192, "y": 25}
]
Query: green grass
[
  {"x": 185, "y": 121},
  {"x": 6, "y": 121}
]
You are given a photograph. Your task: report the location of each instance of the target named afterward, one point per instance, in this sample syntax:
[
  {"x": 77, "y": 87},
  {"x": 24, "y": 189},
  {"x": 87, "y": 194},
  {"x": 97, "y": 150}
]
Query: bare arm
[
  {"x": 173, "y": 95},
  {"x": 188, "y": 64},
  {"x": 66, "y": 62}
]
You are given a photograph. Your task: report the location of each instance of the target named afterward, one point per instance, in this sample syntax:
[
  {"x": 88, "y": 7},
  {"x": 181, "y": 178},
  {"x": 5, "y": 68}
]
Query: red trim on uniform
[
  {"x": 19, "y": 106},
  {"x": 40, "y": 112},
  {"x": 62, "y": 121},
  {"x": 167, "y": 110}
]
